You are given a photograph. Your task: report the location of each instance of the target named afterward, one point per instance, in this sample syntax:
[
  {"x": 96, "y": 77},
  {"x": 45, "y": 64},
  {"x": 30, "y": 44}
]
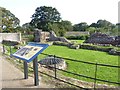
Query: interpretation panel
[{"x": 30, "y": 51}]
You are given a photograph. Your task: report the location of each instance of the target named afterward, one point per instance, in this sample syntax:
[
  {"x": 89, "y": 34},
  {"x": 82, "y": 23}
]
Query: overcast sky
[{"x": 75, "y": 11}]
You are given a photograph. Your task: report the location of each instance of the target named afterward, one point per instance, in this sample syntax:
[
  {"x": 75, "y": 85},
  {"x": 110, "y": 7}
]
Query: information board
[{"x": 30, "y": 51}]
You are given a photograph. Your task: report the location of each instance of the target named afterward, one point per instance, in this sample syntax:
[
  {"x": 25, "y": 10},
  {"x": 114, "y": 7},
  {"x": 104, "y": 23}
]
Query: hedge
[
  {"x": 94, "y": 47},
  {"x": 88, "y": 46},
  {"x": 83, "y": 37},
  {"x": 70, "y": 45},
  {"x": 10, "y": 43}
]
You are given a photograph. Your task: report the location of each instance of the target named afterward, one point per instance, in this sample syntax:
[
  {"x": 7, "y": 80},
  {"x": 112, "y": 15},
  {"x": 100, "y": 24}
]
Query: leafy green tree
[
  {"x": 80, "y": 27},
  {"x": 58, "y": 28},
  {"x": 115, "y": 30},
  {"x": 95, "y": 25},
  {"x": 118, "y": 28},
  {"x": 19, "y": 29},
  {"x": 27, "y": 28},
  {"x": 9, "y": 21},
  {"x": 67, "y": 25},
  {"x": 103, "y": 23},
  {"x": 43, "y": 16},
  {"x": 91, "y": 30},
  {"x": 105, "y": 26}
]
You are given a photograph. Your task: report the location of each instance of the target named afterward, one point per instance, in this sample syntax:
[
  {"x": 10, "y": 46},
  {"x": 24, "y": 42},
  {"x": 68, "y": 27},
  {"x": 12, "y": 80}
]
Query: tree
[
  {"x": 27, "y": 28},
  {"x": 80, "y": 27},
  {"x": 91, "y": 30},
  {"x": 9, "y": 21},
  {"x": 19, "y": 29},
  {"x": 103, "y": 23},
  {"x": 67, "y": 25},
  {"x": 58, "y": 28},
  {"x": 95, "y": 25},
  {"x": 104, "y": 26},
  {"x": 43, "y": 16},
  {"x": 115, "y": 30}
]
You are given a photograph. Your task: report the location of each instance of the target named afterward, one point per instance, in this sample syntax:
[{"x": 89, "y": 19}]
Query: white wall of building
[{"x": 10, "y": 36}]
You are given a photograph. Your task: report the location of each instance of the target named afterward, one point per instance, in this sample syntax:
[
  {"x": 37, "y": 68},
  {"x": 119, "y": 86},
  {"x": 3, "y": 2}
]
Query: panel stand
[
  {"x": 10, "y": 50},
  {"x": 3, "y": 49},
  {"x": 35, "y": 67},
  {"x": 25, "y": 70}
]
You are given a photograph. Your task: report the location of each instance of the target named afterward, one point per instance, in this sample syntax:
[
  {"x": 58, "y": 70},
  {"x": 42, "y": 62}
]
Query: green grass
[
  {"x": 78, "y": 41},
  {"x": 105, "y": 73},
  {"x": 8, "y": 50},
  {"x": 81, "y": 41}
]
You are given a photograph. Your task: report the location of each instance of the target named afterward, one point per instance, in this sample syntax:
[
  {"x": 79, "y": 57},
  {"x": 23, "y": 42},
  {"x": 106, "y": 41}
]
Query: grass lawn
[
  {"x": 78, "y": 41},
  {"x": 105, "y": 73}
]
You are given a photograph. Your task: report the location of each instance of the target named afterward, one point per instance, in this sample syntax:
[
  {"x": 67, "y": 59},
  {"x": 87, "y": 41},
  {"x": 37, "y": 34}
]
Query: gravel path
[{"x": 12, "y": 77}]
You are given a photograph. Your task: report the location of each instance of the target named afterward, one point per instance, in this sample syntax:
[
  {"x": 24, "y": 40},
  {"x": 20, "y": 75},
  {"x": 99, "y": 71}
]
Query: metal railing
[{"x": 80, "y": 75}]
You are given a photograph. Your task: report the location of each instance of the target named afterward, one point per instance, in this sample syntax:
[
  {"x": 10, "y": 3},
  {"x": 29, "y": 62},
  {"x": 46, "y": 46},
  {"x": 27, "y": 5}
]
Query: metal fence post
[
  {"x": 25, "y": 70},
  {"x": 95, "y": 76},
  {"x": 35, "y": 68},
  {"x": 55, "y": 68}
]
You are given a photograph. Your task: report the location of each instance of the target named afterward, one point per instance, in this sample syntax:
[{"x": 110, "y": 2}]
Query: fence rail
[
  {"x": 62, "y": 80},
  {"x": 92, "y": 78},
  {"x": 80, "y": 75},
  {"x": 83, "y": 61}
]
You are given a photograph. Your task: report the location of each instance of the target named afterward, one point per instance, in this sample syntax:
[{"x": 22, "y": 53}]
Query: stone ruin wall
[
  {"x": 40, "y": 36},
  {"x": 100, "y": 38}
]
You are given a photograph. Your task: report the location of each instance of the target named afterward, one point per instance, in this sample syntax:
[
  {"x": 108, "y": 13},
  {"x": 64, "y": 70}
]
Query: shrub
[
  {"x": 10, "y": 43},
  {"x": 31, "y": 38},
  {"x": 82, "y": 37},
  {"x": 70, "y": 45},
  {"x": 95, "y": 47},
  {"x": 61, "y": 43},
  {"x": 114, "y": 52},
  {"x": 74, "y": 46}
]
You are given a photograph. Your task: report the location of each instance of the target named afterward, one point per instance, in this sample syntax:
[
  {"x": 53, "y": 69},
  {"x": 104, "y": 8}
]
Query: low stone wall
[{"x": 10, "y": 37}]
